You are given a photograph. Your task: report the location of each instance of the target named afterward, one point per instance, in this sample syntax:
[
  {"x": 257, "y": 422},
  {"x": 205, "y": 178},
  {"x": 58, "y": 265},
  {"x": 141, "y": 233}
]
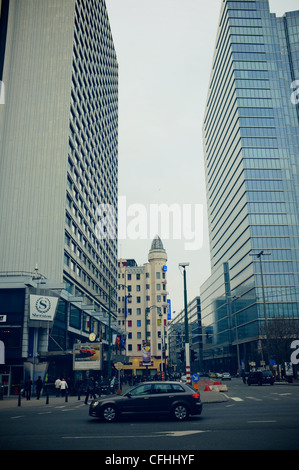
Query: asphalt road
[{"x": 250, "y": 418}]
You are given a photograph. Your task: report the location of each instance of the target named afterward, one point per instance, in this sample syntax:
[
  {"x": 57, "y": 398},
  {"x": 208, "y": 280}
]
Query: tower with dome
[{"x": 142, "y": 311}]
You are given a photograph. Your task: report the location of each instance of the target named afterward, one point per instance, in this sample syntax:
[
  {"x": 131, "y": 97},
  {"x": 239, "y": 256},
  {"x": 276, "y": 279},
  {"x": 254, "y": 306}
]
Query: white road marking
[
  {"x": 161, "y": 434},
  {"x": 269, "y": 421}
]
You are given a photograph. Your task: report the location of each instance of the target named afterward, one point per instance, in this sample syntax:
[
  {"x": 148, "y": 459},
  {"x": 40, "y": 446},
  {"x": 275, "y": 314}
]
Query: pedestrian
[
  {"x": 28, "y": 386},
  {"x": 39, "y": 386},
  {"x": 90, "y": 389},
  {"x": 243, "y": 376},
  {"x": 79, "y": 387},
  {"x": 63, "y": 387},
  {"x": 57, "y": 386}
]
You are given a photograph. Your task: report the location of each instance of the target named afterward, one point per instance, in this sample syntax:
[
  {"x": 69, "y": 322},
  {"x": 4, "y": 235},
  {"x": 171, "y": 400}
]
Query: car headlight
[{"x": 94, "y": 403}]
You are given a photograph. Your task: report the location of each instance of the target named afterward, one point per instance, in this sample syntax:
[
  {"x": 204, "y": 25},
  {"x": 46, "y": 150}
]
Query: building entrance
[{"x": 5, "y": 382}]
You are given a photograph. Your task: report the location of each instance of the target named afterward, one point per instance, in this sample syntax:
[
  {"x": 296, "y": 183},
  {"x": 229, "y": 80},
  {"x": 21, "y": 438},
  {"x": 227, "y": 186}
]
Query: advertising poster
[
  {"x": 146, "y": 353},
  {"x": 87, "y": 356}
]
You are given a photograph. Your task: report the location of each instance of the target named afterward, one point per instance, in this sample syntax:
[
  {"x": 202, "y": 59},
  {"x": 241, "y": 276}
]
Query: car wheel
[
  {"x": 109, "y": 413},
  {"x": 180, "y": 412}
]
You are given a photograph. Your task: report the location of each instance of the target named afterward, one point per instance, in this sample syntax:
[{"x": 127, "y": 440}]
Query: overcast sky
[{"x": 164, "y": 50}]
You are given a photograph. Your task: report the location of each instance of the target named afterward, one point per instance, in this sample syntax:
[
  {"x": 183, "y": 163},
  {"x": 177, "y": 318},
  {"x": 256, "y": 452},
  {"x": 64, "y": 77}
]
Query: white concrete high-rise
[{"x": 58, "y": 141}]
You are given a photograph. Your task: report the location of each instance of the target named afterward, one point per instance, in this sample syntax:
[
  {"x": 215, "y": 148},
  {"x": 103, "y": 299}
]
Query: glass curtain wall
[{"x": 251, "y": 144}]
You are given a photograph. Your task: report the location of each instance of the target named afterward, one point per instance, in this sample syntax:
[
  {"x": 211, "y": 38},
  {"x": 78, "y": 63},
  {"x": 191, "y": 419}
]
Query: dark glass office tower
[
  {"x": 59, "y": 142},
  {"x": 251, "y": 146}
]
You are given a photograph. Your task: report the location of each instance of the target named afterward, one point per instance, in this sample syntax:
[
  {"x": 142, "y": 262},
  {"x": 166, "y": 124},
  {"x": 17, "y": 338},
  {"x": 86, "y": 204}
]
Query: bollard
[
  {"x": 19, "y": 399},
  {"x": 66, "y": 399},
  {"x": 47, "y": 400}
]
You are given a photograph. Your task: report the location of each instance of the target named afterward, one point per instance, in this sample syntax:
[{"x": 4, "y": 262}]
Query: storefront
[{"x": 40, "y": 324}]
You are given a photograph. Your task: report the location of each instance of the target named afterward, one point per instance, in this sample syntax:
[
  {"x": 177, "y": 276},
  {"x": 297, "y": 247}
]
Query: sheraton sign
[{"x": 42, "y": 307}]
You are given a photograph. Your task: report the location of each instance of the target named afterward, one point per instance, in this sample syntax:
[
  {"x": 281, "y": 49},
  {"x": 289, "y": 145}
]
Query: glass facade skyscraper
[{"x": 251, "y": 146}]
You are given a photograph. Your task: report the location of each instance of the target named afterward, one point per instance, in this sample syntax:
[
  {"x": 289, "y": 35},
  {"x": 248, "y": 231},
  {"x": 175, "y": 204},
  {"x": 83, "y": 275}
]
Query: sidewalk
[{"x": 43, "y": 402}]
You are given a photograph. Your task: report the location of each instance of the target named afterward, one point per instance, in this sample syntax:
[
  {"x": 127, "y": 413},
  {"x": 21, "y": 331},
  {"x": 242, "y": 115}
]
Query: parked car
[
  {"x": 260, "y": 378},
  {"x": 226, "y": 376},
  {"x": 177, "y": 399}
]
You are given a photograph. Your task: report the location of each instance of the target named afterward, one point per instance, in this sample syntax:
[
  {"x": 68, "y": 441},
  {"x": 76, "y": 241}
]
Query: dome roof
[{"x": 157, "y": 243}]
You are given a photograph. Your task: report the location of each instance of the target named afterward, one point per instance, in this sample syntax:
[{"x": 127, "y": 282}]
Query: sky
[{"x": 164, "y": 50}]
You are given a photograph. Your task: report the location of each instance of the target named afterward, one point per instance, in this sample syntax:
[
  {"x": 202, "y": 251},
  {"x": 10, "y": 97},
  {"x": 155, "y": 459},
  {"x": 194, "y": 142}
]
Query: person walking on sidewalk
[
  {"x": 90, "y": 389},
  {"x": 57, "y": 387},
  {"x": 28, "y": 386},
  {"x": 39, "y": 386},
  {"x": 63, "y": 387}
]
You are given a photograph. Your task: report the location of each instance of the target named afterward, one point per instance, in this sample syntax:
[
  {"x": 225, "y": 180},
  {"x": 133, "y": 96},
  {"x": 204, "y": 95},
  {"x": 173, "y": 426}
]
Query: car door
[
  {"x": 162, "y": 397},
  {"x": 137, "y": 399}
]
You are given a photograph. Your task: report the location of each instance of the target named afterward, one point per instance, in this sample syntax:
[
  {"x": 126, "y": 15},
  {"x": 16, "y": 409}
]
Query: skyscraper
[
  {"x": 59, "y": 142},
  {"x": 251, "y": 146}
]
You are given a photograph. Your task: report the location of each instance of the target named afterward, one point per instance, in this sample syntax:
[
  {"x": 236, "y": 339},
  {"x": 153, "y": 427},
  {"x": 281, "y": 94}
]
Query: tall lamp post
[
  {"x": 109, "y": 344},
  {"x": 259, "y": 256},
  {"x": 187, "y": 346}
]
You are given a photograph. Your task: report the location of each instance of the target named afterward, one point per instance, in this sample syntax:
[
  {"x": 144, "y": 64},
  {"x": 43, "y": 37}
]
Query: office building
[
  {"x": 59, "y": 137},
  {"x": 143, "y": 310},
  {"x": 59, "y": 145},
  {"x": 251, "y": 147}
]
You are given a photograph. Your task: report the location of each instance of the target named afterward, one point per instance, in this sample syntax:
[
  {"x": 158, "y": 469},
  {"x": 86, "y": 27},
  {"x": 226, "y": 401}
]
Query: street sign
[
  {"x": 195, "y": 378},
  {"x": 119, "y": 366}
]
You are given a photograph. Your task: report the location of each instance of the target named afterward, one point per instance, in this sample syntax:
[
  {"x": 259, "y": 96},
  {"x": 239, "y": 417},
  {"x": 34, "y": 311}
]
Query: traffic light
[{"x": 193, "y": 355}]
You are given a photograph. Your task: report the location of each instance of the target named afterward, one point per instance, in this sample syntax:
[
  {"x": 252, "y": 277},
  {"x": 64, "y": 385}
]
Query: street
[{"x": 249, "y": 418}]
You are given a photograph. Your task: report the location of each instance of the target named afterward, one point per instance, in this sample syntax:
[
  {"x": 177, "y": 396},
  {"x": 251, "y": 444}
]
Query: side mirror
[{"x": 128, "y": 395}]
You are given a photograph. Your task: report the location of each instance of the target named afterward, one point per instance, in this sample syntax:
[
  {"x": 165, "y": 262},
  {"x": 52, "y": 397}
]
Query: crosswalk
[{"x": 273, "y": 396}]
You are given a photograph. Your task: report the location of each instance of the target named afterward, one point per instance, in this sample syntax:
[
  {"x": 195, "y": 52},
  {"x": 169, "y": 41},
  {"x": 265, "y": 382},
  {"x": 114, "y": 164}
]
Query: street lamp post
[
  {"x": 109, "y": 345},
  {"x": 234, "y": 298},
  {"x": 259, "y": 255},
  {"x": 187, "y": 346}
]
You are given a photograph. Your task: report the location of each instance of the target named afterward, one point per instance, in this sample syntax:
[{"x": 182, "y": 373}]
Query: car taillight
[{"x": 196, "y": 396}]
